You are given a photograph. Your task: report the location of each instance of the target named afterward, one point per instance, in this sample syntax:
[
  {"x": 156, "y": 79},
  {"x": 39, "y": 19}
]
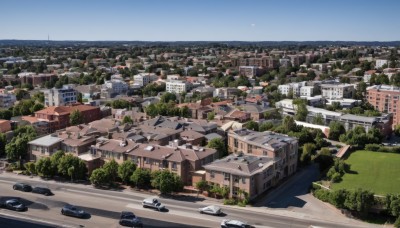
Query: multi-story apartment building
[
  {"x": 7, "y": 100},
  {"x": 182, "y": 160},
  {"x": 337, "y": 91},
  {"x": 386, "y": 99},
  {"x": 249, "y": 173},
  {"x": 114, "y": 87},
  {"x": 144, "y": 79},
  {"x": 250, "y": 71},
  {"x": 58, "y": 117},
  {"x": 177, "y": 86},
  {"x": 36, "y": 79},
  {"x": 266, "y": 143},
  {"x": 226, "y": 93},
  {"x": 306, "y": 91},
  {"x": 263, "y": 62},
  {"x": 381, "y": 62},
  {"x": 60, "y": 97},
  {"x": 291, "y": 87}
]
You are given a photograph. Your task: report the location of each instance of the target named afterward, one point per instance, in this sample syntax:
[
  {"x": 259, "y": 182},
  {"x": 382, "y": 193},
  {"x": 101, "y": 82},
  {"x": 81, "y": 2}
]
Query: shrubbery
[{"x": 380, "y": 148}]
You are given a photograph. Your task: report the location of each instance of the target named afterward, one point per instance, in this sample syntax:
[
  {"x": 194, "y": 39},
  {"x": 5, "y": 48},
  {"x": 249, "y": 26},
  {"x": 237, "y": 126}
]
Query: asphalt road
[
  {"x": 105, "y": 206},
  {"x": 10, "y": 222}
]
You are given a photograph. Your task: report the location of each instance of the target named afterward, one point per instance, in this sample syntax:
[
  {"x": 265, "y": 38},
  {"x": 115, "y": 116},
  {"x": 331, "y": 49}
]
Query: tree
[
  {"x": 318, "y": 119},
  {"x": 17, "y": 149},
  {"x": 127, "y": 119},
  {"x": 20, "y": 94},
  {"x": 359, "y": 200},
  {"x": 43, "y": 167},
  {"x": 166, "y": 97},
  {"x": 3, "y": 142},
  {"x": 55, "y": 160},
  {"x": 265, "y": 126},
  {"x": 30, "y": 167},
  {"x": 68, "y": 161},
  {"x": 71, "y": 172},
  {"x": 75, "y": 117},
  {"x": 288, "y": 124},
  {"x": 111, "y": 169},
  {"x": 308, "y": 151},
  {"x": 252, "y": 125},
  {"x": 336, "y": 129},
  {"x": 201, "y": 186},
  {"x": 301, "y": 109},
  {"x": 166, "y": 182},
  {"x": 219, "y": 145},
  {"x": 125, "y": 171},
  {"x": 397, "y": 130},
  {"x": 37, "y": 107},
  {"x": 99, "y": 177},
  {"x": 141, "y": 177},
  {"x": 210, "y": 116},
  {"x": 79, "y": 97}
]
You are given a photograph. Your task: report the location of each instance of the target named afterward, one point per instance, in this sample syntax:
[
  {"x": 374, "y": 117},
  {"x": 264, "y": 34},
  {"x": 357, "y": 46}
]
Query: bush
[
  {"x": 397, "y": 222},
  {"x": 372, "y": 147},
  {"x": 242, "y": 204},
  {"x": 336, "y": 177},
  {"x": 230, "y": 202}
]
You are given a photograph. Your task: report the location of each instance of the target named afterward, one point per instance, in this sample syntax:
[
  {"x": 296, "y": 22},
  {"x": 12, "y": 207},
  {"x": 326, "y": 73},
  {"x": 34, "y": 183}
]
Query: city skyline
[{"x": 222, "y": 20}]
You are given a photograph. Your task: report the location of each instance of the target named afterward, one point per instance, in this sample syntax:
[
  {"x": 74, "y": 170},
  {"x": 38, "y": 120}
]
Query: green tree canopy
[
  {"x": 141, "y": 177},
  {"x": 125, "y": 170},
  {"x": 219, "y": 145},
  {"x": 76, "y": 118}
]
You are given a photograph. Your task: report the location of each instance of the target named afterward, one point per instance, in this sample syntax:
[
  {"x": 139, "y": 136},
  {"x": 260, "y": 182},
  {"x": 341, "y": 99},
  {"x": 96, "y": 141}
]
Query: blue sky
[{"x": 215, "y": 20}]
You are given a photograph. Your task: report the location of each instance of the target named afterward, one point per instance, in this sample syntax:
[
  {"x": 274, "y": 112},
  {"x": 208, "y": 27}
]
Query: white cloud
[{"x": 253, "y": 25}]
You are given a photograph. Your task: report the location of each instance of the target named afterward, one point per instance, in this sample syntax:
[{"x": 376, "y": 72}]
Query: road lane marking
[{"x": 19, "y": 217}]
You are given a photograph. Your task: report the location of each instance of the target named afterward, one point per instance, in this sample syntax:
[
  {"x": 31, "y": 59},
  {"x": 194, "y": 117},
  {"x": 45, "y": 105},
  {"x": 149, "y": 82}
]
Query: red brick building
[
  {"x": 58, "y": 117},
  {"x": 386, "y": 99}
]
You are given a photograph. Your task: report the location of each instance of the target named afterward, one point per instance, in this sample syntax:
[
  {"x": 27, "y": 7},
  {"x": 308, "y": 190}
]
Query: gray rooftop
[{"x": 47, "y": 140}]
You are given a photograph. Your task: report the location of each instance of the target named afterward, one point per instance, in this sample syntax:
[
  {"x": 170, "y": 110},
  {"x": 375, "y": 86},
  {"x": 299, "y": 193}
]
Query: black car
[
  {"x": 22, "y": 187},
  {"x": 70, "y": 210},
  {"x": 15, "y": 204},
  {"x": 43, "y": 191},
  {"x": 130, "y": 219}
]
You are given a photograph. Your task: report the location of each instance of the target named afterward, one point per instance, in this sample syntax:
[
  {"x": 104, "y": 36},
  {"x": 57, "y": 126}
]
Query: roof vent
[
  {"x": 240, "y": 168},
  {"x": 149, "y": 148},
  {"x": 260, "y": 165}
]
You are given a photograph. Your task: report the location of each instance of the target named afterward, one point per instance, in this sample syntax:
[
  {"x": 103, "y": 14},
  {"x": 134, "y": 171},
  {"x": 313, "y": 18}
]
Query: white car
[
  {"x": 211, "y": 210},
  {"x": 226, "y": 223},
  {"x": 153, "y": 203}
]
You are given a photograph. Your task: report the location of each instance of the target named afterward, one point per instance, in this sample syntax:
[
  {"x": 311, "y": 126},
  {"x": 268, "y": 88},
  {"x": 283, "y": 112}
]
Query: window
[
  {"x": 226, "y": 176},
  {"x": 236, "y": 179},
  {"x": 212, "y": 174},
  {"x": 146, "y": 160},
  {"x": 243, "y": 180},
  {"x": 174, "y": 166}
]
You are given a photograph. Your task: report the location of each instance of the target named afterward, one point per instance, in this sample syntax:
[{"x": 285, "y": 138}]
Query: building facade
[
  {"x": 337, "y": 91},
  {"x": 60, "y": 97},
  {"x": 176, "y": 86},
  {"x": 386, "y": 99}
]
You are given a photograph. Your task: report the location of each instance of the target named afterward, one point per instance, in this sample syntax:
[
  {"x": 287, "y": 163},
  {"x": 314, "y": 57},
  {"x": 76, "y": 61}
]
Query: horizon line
[{"x": 220, "y": 41}]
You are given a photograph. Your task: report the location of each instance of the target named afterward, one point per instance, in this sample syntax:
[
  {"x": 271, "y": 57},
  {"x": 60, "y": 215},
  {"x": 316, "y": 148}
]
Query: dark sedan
[
  {"x": 130, "y": 219},
  {"x": 22, "y": 187},
  {"x": 70, "y": 210},
  {"x": 15, "y": 204},
  {"x": 43, "y": 191}
]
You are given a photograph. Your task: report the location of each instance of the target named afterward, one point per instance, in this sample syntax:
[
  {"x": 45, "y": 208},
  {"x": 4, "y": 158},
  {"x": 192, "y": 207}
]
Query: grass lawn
[{"x": 375, "y": 171}]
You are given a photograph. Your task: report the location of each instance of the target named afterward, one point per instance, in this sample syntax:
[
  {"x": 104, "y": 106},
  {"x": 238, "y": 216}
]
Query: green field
[{"x": 375, "y": 171}]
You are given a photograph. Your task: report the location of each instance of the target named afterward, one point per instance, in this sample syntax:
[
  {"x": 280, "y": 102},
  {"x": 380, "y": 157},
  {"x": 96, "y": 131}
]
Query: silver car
[
  {"x": 226, "y": 223},
  {"x": 211, "y": 210}
]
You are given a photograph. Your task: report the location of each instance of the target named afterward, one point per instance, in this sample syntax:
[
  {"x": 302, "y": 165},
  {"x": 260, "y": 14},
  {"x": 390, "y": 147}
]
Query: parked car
[
  {"x": 153, "y": 203},
  {"x": 70, "y": 210},
  {"x": 130, "y": 219},
  {"x": 211, "y": 210},
  {"x": 43, "y": 191},
  {"x": 22, "y": 187},
  {"x": 15, "y": 204},
  {"x": 226, "y": 223}
]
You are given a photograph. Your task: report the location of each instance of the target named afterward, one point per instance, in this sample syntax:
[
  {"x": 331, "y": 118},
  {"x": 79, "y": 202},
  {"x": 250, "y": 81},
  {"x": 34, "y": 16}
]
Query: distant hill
[{"x": 195, "y": 43}]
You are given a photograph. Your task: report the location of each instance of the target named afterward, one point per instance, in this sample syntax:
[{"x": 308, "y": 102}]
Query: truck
[{"x": 153, "y": 203}]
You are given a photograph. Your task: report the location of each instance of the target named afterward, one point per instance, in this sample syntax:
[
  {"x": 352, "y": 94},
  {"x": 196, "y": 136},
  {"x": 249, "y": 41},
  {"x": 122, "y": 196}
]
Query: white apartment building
[
  {"x": 60, "y": 97},
  {"x": 115, "y": 86},
  {"x": 337, "y": 91},
  {"x": 295, "y": 87},
  {"x": 306, "y": 91},
  {"x": 7, "y": 100},
  {"x": 380, "y": 62},
  {"x": 143, "y": 79},
  {"x": 175, "y": 86}
]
